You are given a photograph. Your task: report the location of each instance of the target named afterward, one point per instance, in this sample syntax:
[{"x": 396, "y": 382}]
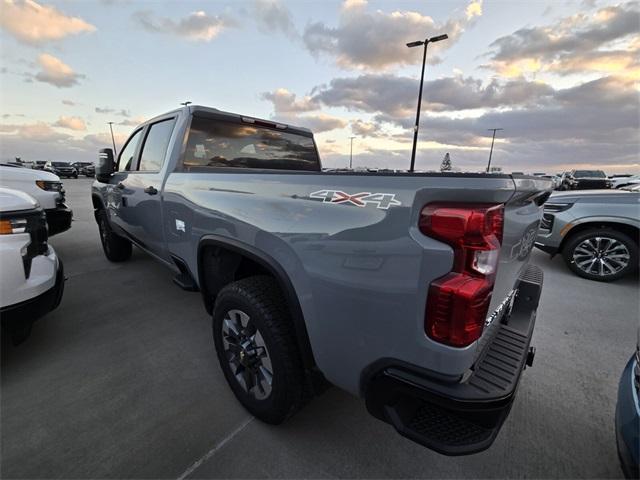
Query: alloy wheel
[
  {"x": 602, "y": 256},
  {"x": 247, "y": 354}
]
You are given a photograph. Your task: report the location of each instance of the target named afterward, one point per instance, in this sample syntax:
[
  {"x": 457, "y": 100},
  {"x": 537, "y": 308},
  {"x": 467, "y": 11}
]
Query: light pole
[
  {"x": 186, "y": 103},
  {"x": 418, "y": 43},
  {"x": 115, "y": 152},
  {"x": 492, "y": 140},
  {"x": 351, "y": 154}
]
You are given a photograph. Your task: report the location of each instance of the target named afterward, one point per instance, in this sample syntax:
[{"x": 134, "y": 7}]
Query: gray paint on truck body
[{"x": 361, "y": 274}]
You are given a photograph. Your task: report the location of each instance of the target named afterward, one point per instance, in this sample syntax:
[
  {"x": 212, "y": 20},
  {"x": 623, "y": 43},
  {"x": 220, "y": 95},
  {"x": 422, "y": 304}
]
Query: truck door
[
  {"x": 115, "y": 200},
  {"x": 142, "y": 212}
]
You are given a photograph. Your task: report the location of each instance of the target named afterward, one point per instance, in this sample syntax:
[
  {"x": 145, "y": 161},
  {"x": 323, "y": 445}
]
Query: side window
[
  {"x": 125, "y": 160},
  {"x": 155, "y": 146}
]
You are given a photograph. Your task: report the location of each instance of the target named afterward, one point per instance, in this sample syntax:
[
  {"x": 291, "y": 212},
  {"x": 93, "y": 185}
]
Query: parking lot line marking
[{"x": 217, "y": 447}]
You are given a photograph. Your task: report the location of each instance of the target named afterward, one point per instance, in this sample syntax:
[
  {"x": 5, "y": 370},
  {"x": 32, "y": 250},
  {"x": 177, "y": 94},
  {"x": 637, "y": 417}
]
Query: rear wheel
[
  {"x": 601, "y": 254},
  {"x": 116, "y": 248},
  {"x": 257, "y": 350}
]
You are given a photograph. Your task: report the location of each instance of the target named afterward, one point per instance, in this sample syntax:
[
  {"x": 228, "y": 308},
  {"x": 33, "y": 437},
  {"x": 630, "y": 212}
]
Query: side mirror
[{"x": 105, "y": 166}]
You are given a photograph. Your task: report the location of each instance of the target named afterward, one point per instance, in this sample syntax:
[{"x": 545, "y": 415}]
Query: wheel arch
[
  {"x": 239, "y": 260},
  {"x": 98, "y": 204},
  {"x": 627, "y": 228}
]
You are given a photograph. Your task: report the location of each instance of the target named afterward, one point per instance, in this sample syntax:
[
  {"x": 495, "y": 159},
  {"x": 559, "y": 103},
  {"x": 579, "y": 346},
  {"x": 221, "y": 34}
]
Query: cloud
[
  {"x": 34, "y": 132},
  {"x": 397, "y": 96},
  {"x": 115, "y": 111},
  {"x": 317, "y": 123},
  {"x": 72, "y": 123},
  {"x": 55, "y": 72},
  {"x": 132, "y": 122},
  {"x": 33, "y": 24},
  {"x": 564, "y": 130},
  {"x": 546, "y": 128},
  {"x": 273, "y": 17},
  {"x": 38, "y": 141},
  {"x": 377, "y": 40},
  {"x": 604, "y": 41},
  {"x": 197, "y": 26},
  {"x": 286, "y": 102},
  {"x": 69, "y": 103},
  {"x": 362, "y": 128}
]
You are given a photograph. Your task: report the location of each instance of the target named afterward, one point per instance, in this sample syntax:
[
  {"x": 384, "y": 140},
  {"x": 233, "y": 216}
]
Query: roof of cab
[{"x": 210, "y": 111}]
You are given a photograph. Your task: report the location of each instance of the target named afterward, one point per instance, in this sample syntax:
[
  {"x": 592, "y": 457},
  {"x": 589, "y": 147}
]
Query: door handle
[
  {"x": 120, "y": 185},
  {"x": 151, "y": 190}
]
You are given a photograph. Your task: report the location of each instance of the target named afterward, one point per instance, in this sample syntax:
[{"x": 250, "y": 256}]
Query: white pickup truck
[
  {"x": 46, "y": 188},
  {"x": 31, "y": 277}
]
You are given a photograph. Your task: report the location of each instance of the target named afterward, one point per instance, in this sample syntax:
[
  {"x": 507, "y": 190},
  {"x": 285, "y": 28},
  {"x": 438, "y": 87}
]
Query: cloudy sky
[{"x": 561, "y": 78}]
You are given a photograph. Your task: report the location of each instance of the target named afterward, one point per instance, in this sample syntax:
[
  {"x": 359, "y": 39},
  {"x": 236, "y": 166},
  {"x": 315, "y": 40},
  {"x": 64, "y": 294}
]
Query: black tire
[
  {"x": 116, "y": 248},
  {"x": 18, "y": 330},
  {"x": 577, "y": 241},
  {"x": 75, "y": 175},
  {"x": 262, "y": 301}
]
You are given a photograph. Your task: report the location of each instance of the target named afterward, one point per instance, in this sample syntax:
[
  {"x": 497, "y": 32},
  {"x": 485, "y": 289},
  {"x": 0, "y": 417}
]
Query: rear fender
[{"x": 271, "y": 266}]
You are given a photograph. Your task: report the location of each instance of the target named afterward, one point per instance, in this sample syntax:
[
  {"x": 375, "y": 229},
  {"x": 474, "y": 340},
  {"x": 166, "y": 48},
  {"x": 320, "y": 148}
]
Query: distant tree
[{"x": 445, "y": 166}]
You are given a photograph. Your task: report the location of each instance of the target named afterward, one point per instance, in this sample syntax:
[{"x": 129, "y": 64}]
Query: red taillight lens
[{"x": 457, "y": 304}]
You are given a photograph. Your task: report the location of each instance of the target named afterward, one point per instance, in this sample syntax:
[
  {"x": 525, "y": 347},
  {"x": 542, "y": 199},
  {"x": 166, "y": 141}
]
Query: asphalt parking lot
[{"x": 122, "y": 381}]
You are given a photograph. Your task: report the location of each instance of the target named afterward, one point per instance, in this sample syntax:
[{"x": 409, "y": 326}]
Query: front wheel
[
  {"x": 257, "y": 350},
  {"x": 601, "y": 254},
  {"x": 116, "y": 248}
]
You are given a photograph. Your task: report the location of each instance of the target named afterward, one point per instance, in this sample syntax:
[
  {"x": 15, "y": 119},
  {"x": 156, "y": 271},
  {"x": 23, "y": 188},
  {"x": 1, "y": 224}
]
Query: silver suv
[{"x": 596, "y": 231}]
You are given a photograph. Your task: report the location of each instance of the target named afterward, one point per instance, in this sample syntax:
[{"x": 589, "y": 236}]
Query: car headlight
[
  {"x": 557, "y": 207},
  {"x": 49, "y": 186},
  {"x": 13, "y": 225}
]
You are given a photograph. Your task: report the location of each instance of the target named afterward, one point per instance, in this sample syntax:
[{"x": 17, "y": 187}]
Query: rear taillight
[{"x": 457, "y": 304}]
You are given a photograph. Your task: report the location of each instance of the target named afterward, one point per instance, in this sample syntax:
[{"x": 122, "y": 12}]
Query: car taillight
[{"x": 457, "y": 303}]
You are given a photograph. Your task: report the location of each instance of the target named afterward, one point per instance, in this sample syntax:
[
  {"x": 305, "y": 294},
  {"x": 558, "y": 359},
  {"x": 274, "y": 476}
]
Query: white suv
[
  {"x": 31, "y": 277},
  {"x": 46, "y": 188}
]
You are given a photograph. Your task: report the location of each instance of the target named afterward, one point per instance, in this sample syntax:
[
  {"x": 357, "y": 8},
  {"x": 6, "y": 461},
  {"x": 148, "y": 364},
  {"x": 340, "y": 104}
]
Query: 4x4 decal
[{"x": 362, "y": 199}]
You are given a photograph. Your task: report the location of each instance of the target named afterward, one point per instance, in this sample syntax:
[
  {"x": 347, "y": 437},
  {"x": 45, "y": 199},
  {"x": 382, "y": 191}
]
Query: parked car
[
  {"x": 566, "y": 183},
  {"x": 393, "y": 294},
  {"x": 627, "y": 422},
  {"x": 31, "y": 277},
  {"x": 588, "y": 180},
  {"x": 85, "y": 168},
  {"x": 622, "y": 182},
  {"x": 596, "y": 232},
  {"x": 46, "y": 188},
  {"x": 62, "y": 169},
  {"x": 39, "y": 165}
]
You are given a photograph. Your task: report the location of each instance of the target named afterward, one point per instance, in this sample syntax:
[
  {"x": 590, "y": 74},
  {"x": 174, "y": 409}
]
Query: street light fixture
[
  {"x": 424, "y": 60},
  {"x": 186, "y": 103},
  {"x": 492, "y": 140}
]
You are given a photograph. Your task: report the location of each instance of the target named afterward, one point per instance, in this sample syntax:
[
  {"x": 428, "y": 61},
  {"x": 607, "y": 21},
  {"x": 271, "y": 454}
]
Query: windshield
[
  {"x": 60, "y": 164},
  {"x": 216, "y": 143},
  {"x": 590, "y": 173}
]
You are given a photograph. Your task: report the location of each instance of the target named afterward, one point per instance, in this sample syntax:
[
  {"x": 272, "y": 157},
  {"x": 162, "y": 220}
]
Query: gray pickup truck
[{"x": 411, "y": 290}]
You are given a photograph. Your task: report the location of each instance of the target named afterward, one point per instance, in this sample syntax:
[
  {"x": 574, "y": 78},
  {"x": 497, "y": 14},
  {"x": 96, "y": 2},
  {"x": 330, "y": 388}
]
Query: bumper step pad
[{"x": 464, "y": 417}]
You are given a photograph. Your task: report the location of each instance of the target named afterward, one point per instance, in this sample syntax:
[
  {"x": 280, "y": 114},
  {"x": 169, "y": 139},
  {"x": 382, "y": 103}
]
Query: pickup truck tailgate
[{"x": 521, "y": 219}]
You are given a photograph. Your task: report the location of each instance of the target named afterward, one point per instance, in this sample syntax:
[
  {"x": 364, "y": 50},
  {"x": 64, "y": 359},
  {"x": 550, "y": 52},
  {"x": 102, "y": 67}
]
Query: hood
[
  {"x": 14, "y": 200},
  {"x": 27, "y": 174},
  {"x": 587, "y": 195}
]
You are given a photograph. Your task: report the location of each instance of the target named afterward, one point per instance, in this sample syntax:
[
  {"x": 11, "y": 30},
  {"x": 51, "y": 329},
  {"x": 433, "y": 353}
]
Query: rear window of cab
[{"x": 223, "y": 144}]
